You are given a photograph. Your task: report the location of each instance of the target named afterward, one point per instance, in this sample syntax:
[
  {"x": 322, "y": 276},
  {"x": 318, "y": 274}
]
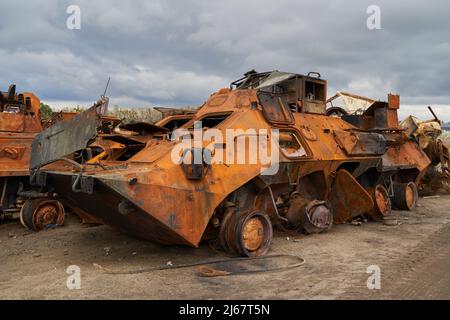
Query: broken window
[
  {"x": 174, "y": 124},
  {"x": 314, "y": 91},
  {"x": 211, "y": 121},
  {"x": 290, "y": 145}
]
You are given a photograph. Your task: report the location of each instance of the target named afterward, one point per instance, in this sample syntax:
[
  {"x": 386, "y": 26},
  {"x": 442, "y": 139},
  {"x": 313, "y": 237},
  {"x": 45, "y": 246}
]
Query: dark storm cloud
[{"x": 178, "y": 52}]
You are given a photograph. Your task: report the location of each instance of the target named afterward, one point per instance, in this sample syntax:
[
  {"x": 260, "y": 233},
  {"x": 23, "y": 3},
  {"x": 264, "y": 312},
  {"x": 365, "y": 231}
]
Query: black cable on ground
[{"x": 211, "y": 272}]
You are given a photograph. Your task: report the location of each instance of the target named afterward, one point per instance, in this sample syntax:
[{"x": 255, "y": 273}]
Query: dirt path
[{"x": 413, "y": 258}]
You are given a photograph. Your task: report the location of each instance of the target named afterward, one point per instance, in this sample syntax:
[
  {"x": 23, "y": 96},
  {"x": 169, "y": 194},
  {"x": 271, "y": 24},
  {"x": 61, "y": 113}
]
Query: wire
[{"x": 208, "y": 272}]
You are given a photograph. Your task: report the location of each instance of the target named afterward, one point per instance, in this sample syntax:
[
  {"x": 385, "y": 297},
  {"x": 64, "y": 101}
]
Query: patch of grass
[{"x": 136, "y": 114}]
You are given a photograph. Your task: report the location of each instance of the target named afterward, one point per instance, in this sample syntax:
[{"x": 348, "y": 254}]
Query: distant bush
[
  {"x": 46, "y": 111},
  {"x": 127, "y": 114},
  {"x": 136, "y": 114}
]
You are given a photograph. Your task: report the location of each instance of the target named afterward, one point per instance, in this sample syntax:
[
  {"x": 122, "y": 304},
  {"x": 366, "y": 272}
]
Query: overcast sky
[{"x": 176, "y": 53}]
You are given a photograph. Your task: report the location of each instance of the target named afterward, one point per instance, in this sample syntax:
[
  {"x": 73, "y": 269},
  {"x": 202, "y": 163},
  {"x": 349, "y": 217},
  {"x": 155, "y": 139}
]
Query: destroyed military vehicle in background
[
  {"x": 20, "y": 121},
  {"x": 331, "y": 170},
  {"x": 425, "y": 133}
]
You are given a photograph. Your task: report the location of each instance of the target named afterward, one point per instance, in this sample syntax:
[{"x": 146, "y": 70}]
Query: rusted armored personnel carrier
[
  {"x": 20, "y": 121},
  {"x": 307, "y": 172}
]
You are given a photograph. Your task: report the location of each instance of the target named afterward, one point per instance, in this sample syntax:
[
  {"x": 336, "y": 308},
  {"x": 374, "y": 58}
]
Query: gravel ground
[{"x": 413, "y": 257}]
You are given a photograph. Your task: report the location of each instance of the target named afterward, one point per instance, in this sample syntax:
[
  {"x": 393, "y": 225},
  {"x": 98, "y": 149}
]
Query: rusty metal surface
[
  {"x": 329, "y": 164},
  {"x": 15, "y": 154},
  {"x": 382, "y": 201},
  {"x": 349, "y": 198},
  {"x": 37, "y": 214},
  {"x": 423, "y": 131},
  {"x": 317, "y": 217},
  {"x": 20, "y": 121},
  {"x": 407, "y": 155},
  {"x": 439, "y": 155},
  {"x": 360, "y": 143}
]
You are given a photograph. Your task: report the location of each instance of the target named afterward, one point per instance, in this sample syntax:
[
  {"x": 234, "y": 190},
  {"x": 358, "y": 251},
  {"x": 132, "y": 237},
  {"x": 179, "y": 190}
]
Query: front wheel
[
  {"x": 37, "y": 214},
  {"x": 248, "y": 234}
]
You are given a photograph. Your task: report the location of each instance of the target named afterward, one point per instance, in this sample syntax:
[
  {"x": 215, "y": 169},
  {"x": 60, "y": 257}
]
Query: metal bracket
[
  {"x": 83, "y": 184},
  {"x": 38, "y": 178},
  {"x": 275, "y": 205}
]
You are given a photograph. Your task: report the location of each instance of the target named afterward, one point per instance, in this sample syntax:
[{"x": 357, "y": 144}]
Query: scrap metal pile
[{"x": 331, "y": 167}]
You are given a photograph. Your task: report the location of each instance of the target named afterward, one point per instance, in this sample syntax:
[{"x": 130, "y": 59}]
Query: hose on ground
[{"x": 205, "y": 271}]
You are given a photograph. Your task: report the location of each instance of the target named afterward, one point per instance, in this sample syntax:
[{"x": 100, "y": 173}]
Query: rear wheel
[
  {"x": 38, "y": 214},
  {"x": 382, "y": 203},
  {"x": 405, "y": 196}
]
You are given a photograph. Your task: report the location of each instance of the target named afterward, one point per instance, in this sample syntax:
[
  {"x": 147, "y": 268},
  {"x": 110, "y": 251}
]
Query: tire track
[{"x": 422, "y": 273}]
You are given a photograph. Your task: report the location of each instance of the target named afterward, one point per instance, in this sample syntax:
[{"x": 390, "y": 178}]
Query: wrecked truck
[
  {"x": 308, "y": 171},
  {"x": 20, "y": 122}
]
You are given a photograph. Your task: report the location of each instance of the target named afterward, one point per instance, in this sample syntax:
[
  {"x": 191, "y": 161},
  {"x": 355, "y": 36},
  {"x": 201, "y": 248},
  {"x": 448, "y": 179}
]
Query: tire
[
  {"x": 247, "y": 234},
  {"x": 26, "y": 214},
  {"x": 382, "y": 203},
  {"x": 37, "y": 214},
  {"x": 406, "y": 196},
  {"x": 336, "y": 112}
]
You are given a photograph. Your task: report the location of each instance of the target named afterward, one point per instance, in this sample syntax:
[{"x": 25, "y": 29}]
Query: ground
[{"x": 413, "y": 257}]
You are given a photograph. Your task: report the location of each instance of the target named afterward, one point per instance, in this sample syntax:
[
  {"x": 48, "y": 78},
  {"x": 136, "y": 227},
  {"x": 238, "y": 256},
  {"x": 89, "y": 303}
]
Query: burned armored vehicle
[
  {"x": 257, "y": 154},
  {"x": 20, "y": 121},
  {"x": 427, "y": 135}
]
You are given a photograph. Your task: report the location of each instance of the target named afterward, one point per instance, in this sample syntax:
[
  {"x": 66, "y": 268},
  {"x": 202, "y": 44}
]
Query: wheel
[
  {"x": 405, "y": 196},
  {"x": 382, "y": 202},
  {"x": 317, "y": 217},
  {"x": 248, "y": 234},
  {"x": 336, "y": 112},
  {"x": 38, "y": 214}
]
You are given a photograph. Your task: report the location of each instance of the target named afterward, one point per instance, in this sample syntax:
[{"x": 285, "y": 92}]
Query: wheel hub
[
  {"x": 45, "y": 215},
  {"x": 253, "y": 234},
  {"x": 37, "y": 214},
  {"x": 410, "y": 196},
  {"x": 382, "y": 201}
]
